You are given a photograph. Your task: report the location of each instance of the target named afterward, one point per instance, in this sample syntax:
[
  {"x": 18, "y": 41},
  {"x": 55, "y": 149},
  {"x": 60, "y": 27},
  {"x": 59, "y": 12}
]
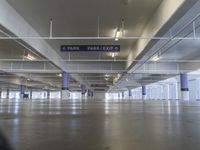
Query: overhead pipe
[{"x": 101, "y": 60}]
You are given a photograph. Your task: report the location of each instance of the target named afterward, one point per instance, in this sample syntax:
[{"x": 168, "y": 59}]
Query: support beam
[
  {"x": 18, "y": 26},
  {"x": 7, "y": 94},
  {"x": 167, "y": 17},
  {"x": 83, "y": 90},
  {"x": 31, "y": 94},
  {"x": 88, "y": 92},
  {"x": 164, "y": 13},
  {"x": 129, "y": 93},
  {"x": 118, "y": 95},
  {"x": 184, "y": 84},
  {"x": 65, "y": 94},
  {"x": 92, "y": 94},
  {"x": 48, "y": 94},
  {"x": 144, "y": 92},
  {"x": 122, "y": 94},
  {"x": 22, "y": 91},
  {"x": 18, "y": 66}
]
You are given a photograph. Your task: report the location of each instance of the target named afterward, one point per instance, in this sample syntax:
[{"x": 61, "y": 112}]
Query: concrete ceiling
[
  {"x": 176, "y": 56},
  {"x": 91, "y": 18},
  {"x": 80, "y": 18}
]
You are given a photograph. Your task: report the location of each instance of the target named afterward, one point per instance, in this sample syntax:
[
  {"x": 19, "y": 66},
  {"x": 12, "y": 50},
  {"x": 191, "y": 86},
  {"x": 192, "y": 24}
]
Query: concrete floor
[{"x": 100, "y": 125}]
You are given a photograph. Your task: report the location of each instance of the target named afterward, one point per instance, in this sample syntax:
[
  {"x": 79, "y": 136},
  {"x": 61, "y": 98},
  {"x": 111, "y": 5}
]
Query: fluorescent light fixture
[
  {"x": 117, "y": 35},
  {"x": 113, "y": 55},
  {"x": 156, "y": 58},
  {"x": 59, "y": 75},
  {"x": 30, "y": 57},
  {"x": 107, "y": 75},
  {"x": 118, "y": 75}
]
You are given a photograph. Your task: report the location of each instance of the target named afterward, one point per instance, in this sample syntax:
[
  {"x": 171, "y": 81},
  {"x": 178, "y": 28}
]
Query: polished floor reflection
[{"x": 101, "y": 125}]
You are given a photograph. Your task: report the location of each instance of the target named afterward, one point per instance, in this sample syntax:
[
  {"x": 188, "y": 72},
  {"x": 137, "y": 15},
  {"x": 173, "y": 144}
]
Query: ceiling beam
[{"x": 18, "y": 26}]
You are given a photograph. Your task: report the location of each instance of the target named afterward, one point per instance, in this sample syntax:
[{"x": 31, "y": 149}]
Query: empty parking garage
[{"x": 99, "y": 74}]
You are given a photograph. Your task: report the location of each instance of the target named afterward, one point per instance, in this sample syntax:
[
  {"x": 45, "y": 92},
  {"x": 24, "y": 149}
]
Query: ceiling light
[
  {"x": 59, "y": 75},
  {"x": 156, "y": 58},
  {"x": 29, "y": 57},
  {"x": 113, "y": 55},
  {"x": 107, "y": 75},
  {"x": 118, "y": 76},
  {"x": 117, "y": 35}
]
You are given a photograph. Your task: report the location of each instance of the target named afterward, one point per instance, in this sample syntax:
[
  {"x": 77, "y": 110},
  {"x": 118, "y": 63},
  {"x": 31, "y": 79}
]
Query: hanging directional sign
[{"x": 92, "y": 48}]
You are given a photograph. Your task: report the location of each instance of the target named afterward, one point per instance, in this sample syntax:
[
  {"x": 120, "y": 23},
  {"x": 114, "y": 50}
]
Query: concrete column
[
  {"x": 22, "y": 91},
  {"x": 92, "y": 94},
  {"x": 122, "y": 94},
  {"x": 31, "y": 94},
  {"x": 166, "y": 91},
  {"x": 144, "y": 92},
  {"x": 48, "y": 94},
  {"x": 7, "y": 93},
  {"x": 184, "y": 84},
  {"x": 88, "y": 93},
  {"x": 83, "y": 91},
  {"x": 65, "y": 94},
  {"x": 129, "y": 93},
  {"x": 118, "y": 95}
]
